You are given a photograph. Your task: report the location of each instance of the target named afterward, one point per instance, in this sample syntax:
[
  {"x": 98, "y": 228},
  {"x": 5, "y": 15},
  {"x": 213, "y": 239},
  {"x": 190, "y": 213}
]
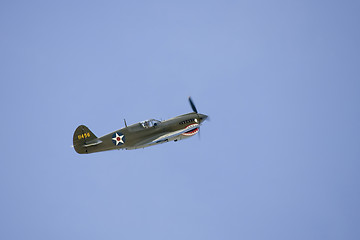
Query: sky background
[{"x": 280, "y": 158}]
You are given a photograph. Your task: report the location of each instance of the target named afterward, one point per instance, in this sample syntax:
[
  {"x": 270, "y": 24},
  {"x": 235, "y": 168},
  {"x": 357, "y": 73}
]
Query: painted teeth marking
[{"x": 191, "y": 132}]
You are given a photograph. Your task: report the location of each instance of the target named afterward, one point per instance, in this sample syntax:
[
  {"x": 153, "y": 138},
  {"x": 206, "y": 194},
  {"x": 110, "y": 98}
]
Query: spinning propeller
[
  {"x": 201, "y": 117},
  {"x": 192, "y": 105}
]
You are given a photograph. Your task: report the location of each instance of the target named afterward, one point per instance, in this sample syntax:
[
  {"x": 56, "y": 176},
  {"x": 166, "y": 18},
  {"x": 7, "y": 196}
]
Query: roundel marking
[{"x": 118, "y": 138}]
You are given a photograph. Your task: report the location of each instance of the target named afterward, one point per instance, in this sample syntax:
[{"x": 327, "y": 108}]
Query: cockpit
[{"x": 150, "y": 123}]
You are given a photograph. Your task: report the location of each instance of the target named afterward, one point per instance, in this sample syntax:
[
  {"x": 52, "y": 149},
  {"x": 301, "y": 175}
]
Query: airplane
[{"x": 140, "y": 135}]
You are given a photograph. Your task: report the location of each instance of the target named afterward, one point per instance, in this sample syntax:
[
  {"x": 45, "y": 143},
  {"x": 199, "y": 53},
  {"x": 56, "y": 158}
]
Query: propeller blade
[{"x": 192, "y": 105}]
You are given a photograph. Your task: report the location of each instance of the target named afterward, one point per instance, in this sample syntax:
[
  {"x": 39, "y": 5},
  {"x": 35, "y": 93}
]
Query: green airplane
[{"x": 140, "y": 135}]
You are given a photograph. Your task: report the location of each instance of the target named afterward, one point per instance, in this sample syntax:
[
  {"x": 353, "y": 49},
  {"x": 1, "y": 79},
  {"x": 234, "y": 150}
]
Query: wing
[
  {"x": 160, "y": 138},
  {"x": 175, "y": 134}
]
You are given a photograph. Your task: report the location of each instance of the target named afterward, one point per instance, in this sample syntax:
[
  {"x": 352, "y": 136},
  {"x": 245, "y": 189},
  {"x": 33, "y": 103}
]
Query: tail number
[{"x": 85, "y": 135}]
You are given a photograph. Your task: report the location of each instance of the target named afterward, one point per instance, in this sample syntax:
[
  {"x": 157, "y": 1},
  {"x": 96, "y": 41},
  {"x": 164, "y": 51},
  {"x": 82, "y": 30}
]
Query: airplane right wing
[
  {"x": 163, "y": 137},
  {"x": 176, "y": 133}
]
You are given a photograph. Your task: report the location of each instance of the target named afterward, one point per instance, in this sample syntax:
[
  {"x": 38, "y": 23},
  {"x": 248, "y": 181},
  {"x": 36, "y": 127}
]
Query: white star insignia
[{"x": 118, "y": 138}]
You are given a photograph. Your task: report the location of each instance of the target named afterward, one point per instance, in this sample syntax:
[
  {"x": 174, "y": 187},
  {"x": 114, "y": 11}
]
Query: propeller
[
  {"x": 195, "y": 110},
  {"x": 199, "y": 134},
  {"x": 192, "y": 105}
]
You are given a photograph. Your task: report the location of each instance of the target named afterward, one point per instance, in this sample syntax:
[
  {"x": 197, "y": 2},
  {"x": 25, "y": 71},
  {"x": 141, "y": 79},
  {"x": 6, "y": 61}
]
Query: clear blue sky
[{"x": 280, "y": 158}]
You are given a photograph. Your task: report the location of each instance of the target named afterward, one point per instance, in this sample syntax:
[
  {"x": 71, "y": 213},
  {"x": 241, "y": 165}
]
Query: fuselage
[{"x": 149, "y": 133}]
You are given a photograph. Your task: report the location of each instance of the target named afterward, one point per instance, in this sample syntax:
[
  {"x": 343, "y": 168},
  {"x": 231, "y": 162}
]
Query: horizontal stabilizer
[{"x": 93, "y": 143}]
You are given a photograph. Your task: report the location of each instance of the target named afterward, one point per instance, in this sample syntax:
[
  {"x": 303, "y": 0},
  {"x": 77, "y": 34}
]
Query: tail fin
[{"x": 83, "y": 138}]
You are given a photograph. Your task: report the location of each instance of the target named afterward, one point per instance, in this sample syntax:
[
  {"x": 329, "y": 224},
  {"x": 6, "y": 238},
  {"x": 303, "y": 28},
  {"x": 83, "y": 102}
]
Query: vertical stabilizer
[{"x": 82, "y": 138}]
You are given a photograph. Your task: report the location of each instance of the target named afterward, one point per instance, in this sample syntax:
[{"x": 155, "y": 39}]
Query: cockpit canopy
[{"x": 150, "y": 123}]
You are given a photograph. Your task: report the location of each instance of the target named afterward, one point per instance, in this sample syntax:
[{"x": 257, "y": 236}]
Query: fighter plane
[{"x": 140, "y": 135}]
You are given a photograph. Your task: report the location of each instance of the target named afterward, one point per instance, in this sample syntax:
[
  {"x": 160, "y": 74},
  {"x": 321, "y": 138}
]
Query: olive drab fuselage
[{"x": 140, "y": 135}]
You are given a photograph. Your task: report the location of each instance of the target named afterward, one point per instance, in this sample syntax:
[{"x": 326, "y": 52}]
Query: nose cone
[{"x": 202, "y": 117}]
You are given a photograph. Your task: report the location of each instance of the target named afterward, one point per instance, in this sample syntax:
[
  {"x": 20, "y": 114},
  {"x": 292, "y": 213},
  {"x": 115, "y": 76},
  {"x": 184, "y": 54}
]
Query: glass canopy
[{"x": 150, "y": 123}]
